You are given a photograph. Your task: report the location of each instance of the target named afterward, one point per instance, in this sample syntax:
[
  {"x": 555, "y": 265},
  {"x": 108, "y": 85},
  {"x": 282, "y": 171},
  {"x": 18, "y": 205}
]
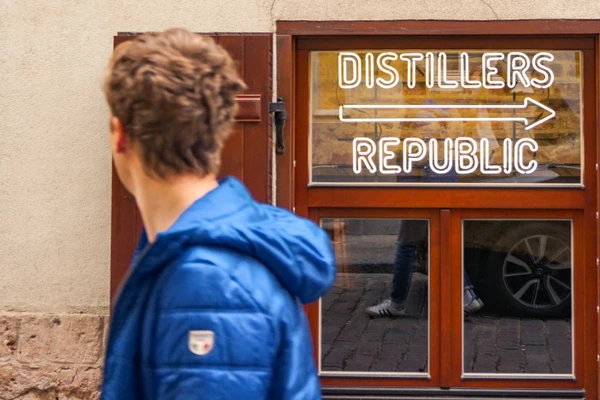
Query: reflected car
[
  {"x": 518, "y": 267},
  {"x": 523, "y": 267}
]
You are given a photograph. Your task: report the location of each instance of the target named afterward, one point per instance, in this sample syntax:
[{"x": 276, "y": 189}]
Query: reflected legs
[{"x": 404, "y": 264}]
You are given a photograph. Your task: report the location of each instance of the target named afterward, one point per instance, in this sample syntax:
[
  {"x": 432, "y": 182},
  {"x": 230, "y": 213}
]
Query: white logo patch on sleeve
[{"x": 201, "y": 342}]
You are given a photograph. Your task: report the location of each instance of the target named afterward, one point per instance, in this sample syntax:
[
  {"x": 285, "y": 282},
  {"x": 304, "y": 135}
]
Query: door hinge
[{"x": 279, "y": 116}]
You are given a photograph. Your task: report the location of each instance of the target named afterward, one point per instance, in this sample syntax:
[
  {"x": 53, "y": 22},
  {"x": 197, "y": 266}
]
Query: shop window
[
  {"x": 489, "y": 139},
  {"x": 450, "y": 117}
]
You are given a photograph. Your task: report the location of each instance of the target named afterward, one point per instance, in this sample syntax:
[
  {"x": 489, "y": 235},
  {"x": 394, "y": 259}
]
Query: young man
[{"x": 211, "y": 308}]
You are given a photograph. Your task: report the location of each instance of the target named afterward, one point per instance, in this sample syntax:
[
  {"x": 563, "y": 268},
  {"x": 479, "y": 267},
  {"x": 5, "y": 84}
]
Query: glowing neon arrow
[{"x": 528, "y": 101}]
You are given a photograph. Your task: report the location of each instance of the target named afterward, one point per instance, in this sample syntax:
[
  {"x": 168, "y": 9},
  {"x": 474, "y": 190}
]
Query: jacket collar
[{"x": 226, "y": 199}]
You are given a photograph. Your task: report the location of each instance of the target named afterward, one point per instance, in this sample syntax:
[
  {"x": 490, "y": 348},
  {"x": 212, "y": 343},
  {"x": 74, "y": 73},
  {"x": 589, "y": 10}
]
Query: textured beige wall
[{"x": 55, "y": 163}]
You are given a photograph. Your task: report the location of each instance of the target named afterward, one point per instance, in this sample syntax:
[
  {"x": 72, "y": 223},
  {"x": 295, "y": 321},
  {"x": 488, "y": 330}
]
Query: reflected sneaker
[
  {"x": 385, "y": 309},
  {"x": 471, "y": 303}
]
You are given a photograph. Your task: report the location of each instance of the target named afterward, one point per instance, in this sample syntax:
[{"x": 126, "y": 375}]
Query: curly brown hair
[{"x": 174, "y": 92}]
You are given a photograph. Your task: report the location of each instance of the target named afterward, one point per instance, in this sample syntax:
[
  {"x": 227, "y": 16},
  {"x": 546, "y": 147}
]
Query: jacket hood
[{"x": 295, "y": 250}]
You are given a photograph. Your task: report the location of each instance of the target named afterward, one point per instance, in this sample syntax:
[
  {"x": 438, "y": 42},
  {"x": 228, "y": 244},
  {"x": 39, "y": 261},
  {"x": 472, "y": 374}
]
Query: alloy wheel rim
[{"x": 537, "y": 272}]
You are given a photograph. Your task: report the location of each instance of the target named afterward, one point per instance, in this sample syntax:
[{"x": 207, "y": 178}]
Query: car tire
[{"x": 523, "y": 278}]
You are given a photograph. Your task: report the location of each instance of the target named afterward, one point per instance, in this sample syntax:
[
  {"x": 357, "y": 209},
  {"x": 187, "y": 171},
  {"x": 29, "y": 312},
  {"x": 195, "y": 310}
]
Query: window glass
[
  {"x": 449, "y": 117},
  {"x": 375, "y": 318},
  {"x": 517, "y": 297}
]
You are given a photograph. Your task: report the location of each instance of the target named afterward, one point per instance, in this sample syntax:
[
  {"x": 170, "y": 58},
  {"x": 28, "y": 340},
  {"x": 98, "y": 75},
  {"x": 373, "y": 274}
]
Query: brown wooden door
[{"x": 247, "y": 154}]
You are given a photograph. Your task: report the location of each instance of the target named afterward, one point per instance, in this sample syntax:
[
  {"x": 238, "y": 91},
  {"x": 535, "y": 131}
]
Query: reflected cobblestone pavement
[{"x": 351, "y": 341}]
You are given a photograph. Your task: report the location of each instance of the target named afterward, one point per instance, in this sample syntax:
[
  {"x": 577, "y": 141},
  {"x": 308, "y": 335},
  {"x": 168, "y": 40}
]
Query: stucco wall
[{"x": 54, "y": 159}]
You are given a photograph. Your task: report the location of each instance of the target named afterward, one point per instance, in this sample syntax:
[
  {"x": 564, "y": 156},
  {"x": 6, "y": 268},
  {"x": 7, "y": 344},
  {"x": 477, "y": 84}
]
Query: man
[{"x": 211, "y": 308}]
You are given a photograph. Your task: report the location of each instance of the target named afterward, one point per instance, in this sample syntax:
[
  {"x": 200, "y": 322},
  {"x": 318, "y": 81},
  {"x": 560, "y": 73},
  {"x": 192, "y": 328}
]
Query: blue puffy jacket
[{"x": 212, "y": 309}]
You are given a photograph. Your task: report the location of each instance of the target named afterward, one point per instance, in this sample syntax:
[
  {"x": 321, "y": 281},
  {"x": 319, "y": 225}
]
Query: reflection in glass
[
  {"x": 511, "y": 125},
  {"x": 375, "y": 319},
  {"x": 522, "y": 270}
]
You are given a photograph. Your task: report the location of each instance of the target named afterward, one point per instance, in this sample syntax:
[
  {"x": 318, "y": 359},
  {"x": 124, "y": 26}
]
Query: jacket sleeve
[
  {"x": 208, "y": 339},
  {"x": 295, "y": 376}
]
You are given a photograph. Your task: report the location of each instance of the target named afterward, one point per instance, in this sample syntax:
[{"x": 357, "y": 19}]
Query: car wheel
[{"x": 532, "y": 275}]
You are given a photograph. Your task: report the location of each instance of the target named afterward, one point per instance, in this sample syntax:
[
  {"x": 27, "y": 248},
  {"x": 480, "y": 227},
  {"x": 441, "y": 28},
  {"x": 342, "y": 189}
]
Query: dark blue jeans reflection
[
  {"x": 404, "y": 262},
  {"x": 404, "y": 265}
]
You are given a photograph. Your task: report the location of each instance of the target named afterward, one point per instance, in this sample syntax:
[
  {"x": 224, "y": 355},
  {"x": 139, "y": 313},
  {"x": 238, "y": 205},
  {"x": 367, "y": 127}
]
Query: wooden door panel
[
  {"x": 257, "y": 144},
  {"x": 233, "y": 154}
]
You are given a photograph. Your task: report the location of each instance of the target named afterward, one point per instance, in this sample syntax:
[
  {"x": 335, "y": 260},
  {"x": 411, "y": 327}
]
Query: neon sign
[
  {"x": 528, "y": 102},
  {"x": 459, "y": 154},
  {"x": 518, "y": 68},
  {"x": 464, "y": 155}
]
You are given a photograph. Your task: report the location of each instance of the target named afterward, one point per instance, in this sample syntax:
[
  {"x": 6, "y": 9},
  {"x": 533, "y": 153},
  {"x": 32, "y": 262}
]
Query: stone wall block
[
  {"x": 34, "y": 340},
  {"x": 23, "y": 381},
  {"x": 8, "y": 336},
  {"x": 66, "y": 338},
  {"x": 87, "y": 379},
  {"x": 48, "y": 382}
]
